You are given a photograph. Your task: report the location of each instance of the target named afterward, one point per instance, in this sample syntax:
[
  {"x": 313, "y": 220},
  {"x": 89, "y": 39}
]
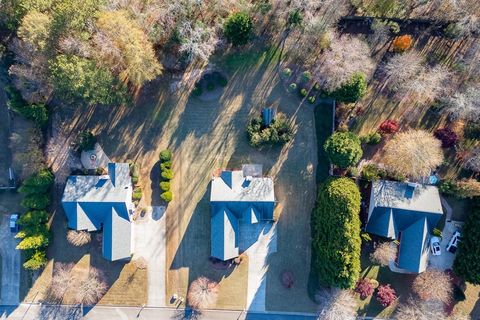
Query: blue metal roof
[
  {"x": 413, "y": 251},
  {"x": 91, "y": 202}
]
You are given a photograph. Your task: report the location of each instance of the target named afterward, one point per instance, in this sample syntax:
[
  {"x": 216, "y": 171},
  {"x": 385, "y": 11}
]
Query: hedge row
[
  {"x": 35, "y": 233},
  {"x": 166, "y": 174},
  {"x": 336, "y": 233}
]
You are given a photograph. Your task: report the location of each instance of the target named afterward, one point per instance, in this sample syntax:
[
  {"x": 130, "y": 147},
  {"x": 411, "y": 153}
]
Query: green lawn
[{"x": 400, "y": 282}]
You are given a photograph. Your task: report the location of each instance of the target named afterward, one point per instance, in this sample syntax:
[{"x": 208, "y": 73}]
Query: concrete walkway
[
  {"x": 148, "y": 238},
  {"x": 10, "y": 264},
  {"x": 259, "y": 240}
]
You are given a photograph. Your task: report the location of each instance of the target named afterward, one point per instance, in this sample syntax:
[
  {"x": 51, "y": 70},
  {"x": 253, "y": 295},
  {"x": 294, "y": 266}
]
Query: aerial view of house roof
[
  {"x": 238, "y": 196},
  {"x": 406, "y": 212},
  {"x": 95, "y": 202}
]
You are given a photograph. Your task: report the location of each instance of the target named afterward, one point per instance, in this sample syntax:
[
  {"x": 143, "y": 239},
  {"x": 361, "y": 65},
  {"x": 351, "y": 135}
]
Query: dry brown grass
[
  {"x": 384, "y": 253},
  {"x": 78, "y": 238}
]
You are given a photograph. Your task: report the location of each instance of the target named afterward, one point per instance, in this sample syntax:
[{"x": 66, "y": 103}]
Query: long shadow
[
  {"x": 194, "y": 250},
  {"x": 155, "y": 185}
]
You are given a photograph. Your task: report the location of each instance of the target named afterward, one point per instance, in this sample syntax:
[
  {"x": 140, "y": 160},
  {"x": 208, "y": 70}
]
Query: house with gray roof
[
  {"x": 407, "y": 212},
  {"x": 103, "y": 202},
  {"x": 238, "y": 197}
]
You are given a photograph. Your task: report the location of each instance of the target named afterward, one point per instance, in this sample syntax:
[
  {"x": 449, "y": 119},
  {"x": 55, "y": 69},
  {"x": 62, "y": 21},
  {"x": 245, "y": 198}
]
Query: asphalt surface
[
  {"x": 47, "y": 312},
  {"x": 9, "y": 293}
]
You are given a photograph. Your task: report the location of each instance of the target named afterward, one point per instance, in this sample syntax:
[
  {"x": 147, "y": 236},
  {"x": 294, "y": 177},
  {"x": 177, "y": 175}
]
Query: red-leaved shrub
[
  {"x": 364, "y": 287},
  {"x": 388, "y": 127},
  {"x": 447, "y": 136},
  {"x": 386, "y": 295}
]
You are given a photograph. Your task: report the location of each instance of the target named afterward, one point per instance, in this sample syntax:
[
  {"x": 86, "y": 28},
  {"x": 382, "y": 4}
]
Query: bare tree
[
  {"x": 414, "y": 153},
  {"x": 202, "y": 293},
  {"x": 402, "y": 68},
  {"x": 427, "y": 85},
  {"x": 335, "y": 304},
  {"x": 92, "y": 289},
  {"x": 30, "y": 72},
  {"x": 70, "y": 44},
  {"x": 433, "y": 285},
  {"x": 62, "y": 279},
  {"x": 420, "y": 310},
  {"x": 384, "y": 253},
  {"x": 198, "y": 40},
  {"x": 464, "y": 105},
  {"x": 346, "y": 56},
  {"x": 78, "y": 238}
]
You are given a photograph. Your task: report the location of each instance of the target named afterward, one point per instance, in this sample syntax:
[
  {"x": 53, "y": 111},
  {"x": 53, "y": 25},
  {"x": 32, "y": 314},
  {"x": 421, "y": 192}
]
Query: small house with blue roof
[
  {"x": 408, "y": 213},
  {"x": 103, "y": 202},
  {"x": 238, "y": 197}
]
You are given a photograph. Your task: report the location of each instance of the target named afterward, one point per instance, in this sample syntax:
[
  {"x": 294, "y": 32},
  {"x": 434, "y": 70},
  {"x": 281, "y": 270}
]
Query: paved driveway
[
  {"x": 445, "y": 260},
  {"x": 258, "y": 240},
  {"x": 10, "y": 264},
  {"x": 149, "y": 242}
]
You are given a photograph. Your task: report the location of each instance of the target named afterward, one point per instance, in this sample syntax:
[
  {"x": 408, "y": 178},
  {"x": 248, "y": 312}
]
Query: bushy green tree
[
  {"x": 36, "y": 260},
  {"x": 36, "y": 201},
  {"x": 138, "y": 62},
  {"x": 467, "y": 264},
  {"x": 35, "y": 241},
  {"x": 336, "y": 233},
  {"x": 38, "y": 183},
  {"x": 238, "y": 28},
  {"x": 343, "y": 149},
  {"x": 80, "y": 78},
  {"x": 352, "y": 90},
  {"x": 12, "y": 11},
  {"x": 35, "y": 29}
]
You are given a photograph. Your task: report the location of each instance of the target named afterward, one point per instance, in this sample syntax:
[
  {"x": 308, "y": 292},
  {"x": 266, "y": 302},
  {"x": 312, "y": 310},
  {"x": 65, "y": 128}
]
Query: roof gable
[
  {"x": 224, "y": 235},
  {"x": 413, "y": 251}
]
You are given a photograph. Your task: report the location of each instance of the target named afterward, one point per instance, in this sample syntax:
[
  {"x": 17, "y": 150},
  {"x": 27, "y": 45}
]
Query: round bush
[
  {"x": 447, "y": 136},
  {"x": 238, "y": 28},
  {"x": 165, "y": 185},
  {"x": 389, "y": 127},
  {"x": 197, "y": 90},
  {"x": 287, "y": 72},
  {"x": 352, "y": 90},
  {"x": 370, "y": 172},
  {"x": 402, "y": 43},
  {"x": 222, "y": 81},
  {"x": 311, "y": 99},
  {"x": 316, "y": 87},
  {"x": 306, "y": 76},
  {"x": 343, "y": 149},
  {"x": 166, "y": 165},
  {"x": 165, "y": 155},
  {"x": 303, "y": 92},
  {"x": 292, "y": 87},
  {"x": 167, "y": 196},
  {"x": 167, "y": 174}
]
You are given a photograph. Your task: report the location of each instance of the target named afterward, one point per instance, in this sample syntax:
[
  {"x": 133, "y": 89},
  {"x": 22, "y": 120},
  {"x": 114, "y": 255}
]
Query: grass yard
[
  {"x": 205, "y": 136},
  {"x": 400, "y": 282}
]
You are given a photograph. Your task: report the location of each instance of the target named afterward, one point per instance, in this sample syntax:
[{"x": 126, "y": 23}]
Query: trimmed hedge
[
  {"x": 467, "y": 264},
  {"x": 165, "y": 155},
  {"x": 166, "y": 174},
  {"x": 165, "y": 185},
  {"x": 167, "y": 196},
  {"x": 336, "y": 233}
]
